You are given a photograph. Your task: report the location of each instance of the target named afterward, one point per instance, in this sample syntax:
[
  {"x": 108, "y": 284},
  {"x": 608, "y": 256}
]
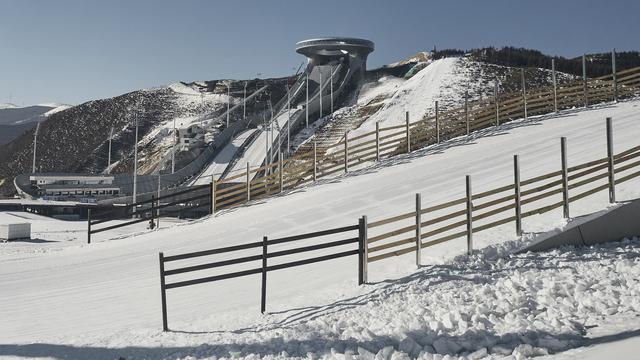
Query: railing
[
  {"x": 461, "y": 218},
  {"x": 150, "y": 210},
  {"x": 388, "y": 141},
  {"x": 262, "y": 257}
]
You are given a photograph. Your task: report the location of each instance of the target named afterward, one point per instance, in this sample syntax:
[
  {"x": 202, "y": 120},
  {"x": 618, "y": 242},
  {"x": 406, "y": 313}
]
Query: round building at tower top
[{"x": 323, "y": 50}]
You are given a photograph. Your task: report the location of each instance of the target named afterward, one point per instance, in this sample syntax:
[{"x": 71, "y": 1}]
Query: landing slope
[{"x": 112, "y": 286}]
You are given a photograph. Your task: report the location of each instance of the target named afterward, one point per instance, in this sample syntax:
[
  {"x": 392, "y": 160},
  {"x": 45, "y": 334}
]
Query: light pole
[
  {"x": 288, "y": 115},
  {"x": 35, "y": 145},
  {"x": 331, "y": 83},
  {"x": 228, "y": 101},
  {"x": 320, "y": 93},
  {"x": 306, "y": 107},
  {"x": 135, "y": 165},
  {"x": 244, "y": 102},
  {"x": 109, "y": 161},
  {"x": 173, "y": 149}
]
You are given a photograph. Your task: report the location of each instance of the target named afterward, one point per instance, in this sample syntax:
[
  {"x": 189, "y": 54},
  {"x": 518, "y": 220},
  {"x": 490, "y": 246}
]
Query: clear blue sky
[{"x": 76, "y": 50}]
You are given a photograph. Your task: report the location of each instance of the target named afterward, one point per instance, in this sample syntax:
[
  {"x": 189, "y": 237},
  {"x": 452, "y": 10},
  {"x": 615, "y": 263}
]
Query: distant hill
[
  {"x": 598, "y": 64},
  {"x": 14, "y": 121}
]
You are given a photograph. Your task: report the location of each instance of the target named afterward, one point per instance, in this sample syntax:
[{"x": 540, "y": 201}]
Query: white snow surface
[
  {"x": 221, "y": 161},
  {"x": 102, "y": 301},
  {"x": 416, "y": 95}
]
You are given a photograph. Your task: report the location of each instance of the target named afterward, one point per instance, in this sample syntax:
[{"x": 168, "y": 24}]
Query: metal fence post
[
  {"x": 584, "y": 80},
  {"x": 565, "y": 177},
  {"x": 213, "y": 196},
  {"x": 615, "y": 76},
  {"x": 496, "y": 98},
  {"x": 346, "y": 151},
  {"x": 418, "y": 229},
  {"x": 524, "y": 93},
  {"x": 263, "y": 296},
  {"x": 516, "y": 180},
  {"x": 248, "y": 183},
  {"x": 555, "y": 85},
  {"x": 315, "y": 160},
  {"x": 408, "y": 132},
  {"x": 88, "y": 225},
  {"x": 377, "y": 141},
  {"x": 612, "y": 181},
  {"x": 466, "y": 110},
  {"x": 280, "y": 170},
  {"x": 469, "y": 217},
  {"x": 437, "y": 125},
  {"x": 163, "y": 294},
  {"x": 363, "y": 252}
]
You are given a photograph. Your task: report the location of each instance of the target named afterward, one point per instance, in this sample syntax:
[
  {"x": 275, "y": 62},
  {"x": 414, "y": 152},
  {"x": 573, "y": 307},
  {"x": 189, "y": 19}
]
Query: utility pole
[
  {"x": 135, "y": 164},
  {"x": 307, "y": 103},
  {"x": 109, "y": 159},
  {"x": 35, "y": 145}
]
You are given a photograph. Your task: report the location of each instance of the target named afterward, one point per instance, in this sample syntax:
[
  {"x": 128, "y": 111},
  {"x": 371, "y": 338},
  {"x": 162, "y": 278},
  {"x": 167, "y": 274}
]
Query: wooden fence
[
  {"x": 316, "y": 162},
  {"x": 461, "y": 218},
  {"x": 413, "y": 231},
  {"x": 265, "y": 254}
]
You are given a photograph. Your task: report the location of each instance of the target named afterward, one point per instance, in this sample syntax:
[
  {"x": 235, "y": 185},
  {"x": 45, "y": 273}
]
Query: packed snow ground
[{"x": 102, "y": 300}]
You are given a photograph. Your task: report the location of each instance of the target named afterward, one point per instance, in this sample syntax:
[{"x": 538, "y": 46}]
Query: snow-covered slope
[{"x": 94, "y": 299}]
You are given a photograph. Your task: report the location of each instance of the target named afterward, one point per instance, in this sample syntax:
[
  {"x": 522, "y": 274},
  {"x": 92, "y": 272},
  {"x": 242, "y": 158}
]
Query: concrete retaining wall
[{"x": 609, "y": 225}]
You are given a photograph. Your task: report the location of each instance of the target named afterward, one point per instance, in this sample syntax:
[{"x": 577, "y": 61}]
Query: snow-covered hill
[{"x": 102, "y": 300}]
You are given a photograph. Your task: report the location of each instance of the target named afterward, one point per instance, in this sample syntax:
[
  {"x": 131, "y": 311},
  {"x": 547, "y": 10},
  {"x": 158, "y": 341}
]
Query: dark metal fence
[
  {"x": 360, "y": 240},
  {"x": 150, "y": 210}
]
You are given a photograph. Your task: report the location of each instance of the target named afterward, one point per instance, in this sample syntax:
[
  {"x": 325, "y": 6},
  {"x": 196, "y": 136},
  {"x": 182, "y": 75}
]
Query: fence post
[
  {"x": 555, "y": 85},
  {"x": 152, "y": 223},
  {"x": 418, "y": 229},
  {"x": 248, "y": 183},
  {"x": 615, "y": 76},
  {"x": 496, "y": 98},
  {"x": 584, "y": 79},
  {"x": 565, "y": 177},
  {"x": 437, "y": 125},
  {"x": 466, "y": 110},
  {"x": 88, "y": 225},
  {"x": 408, "y": 133},
  {"x": 315, "y": 160},
  {"x": 524, "y": 93},
  {"x": 469, "y": 217},
  {"x": 263, "y": 296},
  {"x": 612, "y": 181},
  {"x": 516, "y": 180},
  {"x": 163, "y": 294},
  {"x": 377, "y": 141},
  {"x": 213, "y": 195},
  {"x": 280, "y": 170},
  {"x": 363, "y": 252},
  {"x": 346, "y": 151}
]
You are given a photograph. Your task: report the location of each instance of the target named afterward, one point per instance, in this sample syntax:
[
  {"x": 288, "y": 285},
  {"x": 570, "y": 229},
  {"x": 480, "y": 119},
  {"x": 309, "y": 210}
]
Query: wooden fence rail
[
  {"x": 392, "y": 140},
  {"x": 358, "y": 236},
  {"x": 491, "y": 208}
]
